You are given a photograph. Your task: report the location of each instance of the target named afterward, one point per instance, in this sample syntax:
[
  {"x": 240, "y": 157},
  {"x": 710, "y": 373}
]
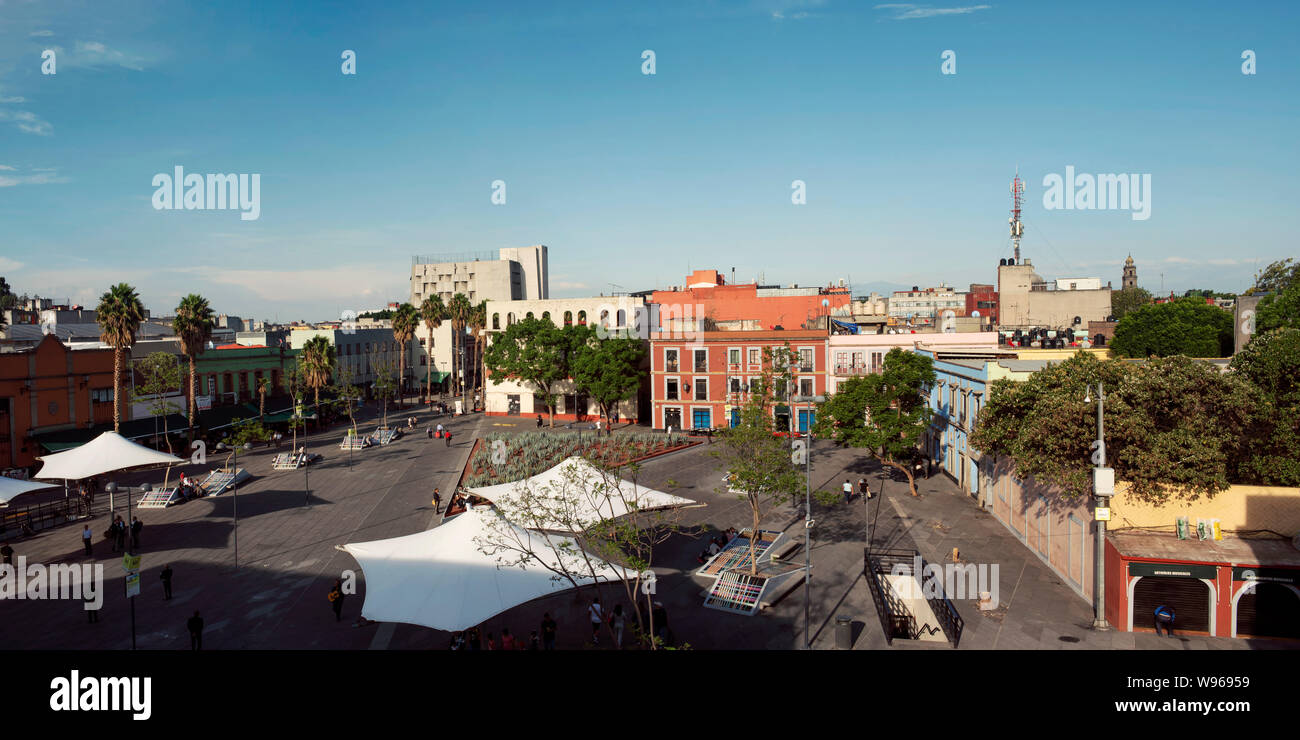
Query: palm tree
[
  {"x": 459, "y": 310},
  {"x": 317, "y": 363},
  {"x": 193, "y": 325},
  {"x": 405, "y": 319},
  {"x": 119, "y": 315},
  {"x": 432, "y": 311},
  {"x": 263, "y": 385},
  {"x": 477, "y": 324}
]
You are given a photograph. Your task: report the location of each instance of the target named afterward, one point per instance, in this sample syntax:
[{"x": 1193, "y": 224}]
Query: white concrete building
[
  {"x": 359, "y": 351},
  {"x": 512, "y": 273}
]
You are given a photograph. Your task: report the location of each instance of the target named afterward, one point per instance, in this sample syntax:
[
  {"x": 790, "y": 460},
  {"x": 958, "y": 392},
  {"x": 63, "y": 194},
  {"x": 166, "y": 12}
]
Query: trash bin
[{"x": 843, "y": 633}]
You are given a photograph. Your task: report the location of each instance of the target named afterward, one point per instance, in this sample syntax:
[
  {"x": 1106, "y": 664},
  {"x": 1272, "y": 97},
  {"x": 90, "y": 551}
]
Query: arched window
[
  {"x": 496, "y": 321},
  {"x": 622, "y": 319},
  {"x": 604, "y": 319},
  {"x": 510, "y": 319},
  {"x": 568, "y": 318},
  {"x": 546, "y": 315},
  {"x": 582, "y": 318},
  {"x": 530, "y": 315}
]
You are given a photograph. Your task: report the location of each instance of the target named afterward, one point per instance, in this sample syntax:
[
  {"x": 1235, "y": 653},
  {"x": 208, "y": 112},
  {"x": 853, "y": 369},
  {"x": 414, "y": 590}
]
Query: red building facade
[{"x": 701, "y": 382}]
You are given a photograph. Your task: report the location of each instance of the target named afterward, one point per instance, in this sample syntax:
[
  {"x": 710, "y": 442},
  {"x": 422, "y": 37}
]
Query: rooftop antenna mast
[{"x": 1017, "y": 228}]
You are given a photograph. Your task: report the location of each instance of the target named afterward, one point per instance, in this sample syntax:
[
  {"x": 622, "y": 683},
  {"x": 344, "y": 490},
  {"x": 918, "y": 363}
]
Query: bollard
[{"x": 844, "y": 633}]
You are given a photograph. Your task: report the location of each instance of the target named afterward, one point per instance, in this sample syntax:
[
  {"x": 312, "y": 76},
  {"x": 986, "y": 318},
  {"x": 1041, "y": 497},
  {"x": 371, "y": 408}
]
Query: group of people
[
  {"x": 472, "y": 639},
  {"x": 863, "y": 489},
  {"x": 544, "y": 637},
  {"x": 440, "y": 432},
  {"x": 117, "y": 532},
  {"x": 188, "y": 489},
  {"x": 717, "y": 544}
]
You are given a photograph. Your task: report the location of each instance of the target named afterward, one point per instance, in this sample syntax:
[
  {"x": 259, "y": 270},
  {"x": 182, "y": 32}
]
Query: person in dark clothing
[
  {"x": 119, "y": 534},
  {"x": 539, "y": 421},
  {"x": 1164, "y": 618},
  {"x": 548, "y": 631},
  {"x": 437, "y": 501},
  {"x": 195, "y": 625},
  {"x": 7, "y": 553},
  {"x": 532, "y": 641},
  {"x": 660, "y": 618},
  {"x": 862, "y": 488},
  {"x": 166, "y": 577},
  {"x": 136, "y": 526},
  {"x": 86, "y": 536},
  {"x": 475, "y": 639},
  {"x": 448, "y": 438},
  {"x": 336, "y": 600}
]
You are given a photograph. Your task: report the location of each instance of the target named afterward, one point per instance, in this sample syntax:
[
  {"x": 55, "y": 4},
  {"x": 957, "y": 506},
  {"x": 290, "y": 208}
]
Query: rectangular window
[
  {"x": 671, "y": 393},
  {"x": 805, "y": 386},
  {"x": 733, "y": 356},
  {"x": 877, "y": 361},
  {"x": 670, "y": 360},
  {"x": 841, "y": 359},
  {"x": 701, "y": 360},
  {"x": 735, "y": 385},
  {"x": 806, "y": 358},
  {"x": 701, "y": 389},
  {"x": 101, "y": 395},
  {"x": 755, "y": 357}
]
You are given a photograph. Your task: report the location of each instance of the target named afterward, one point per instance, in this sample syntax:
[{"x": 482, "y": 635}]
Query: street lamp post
[
  {"x": 808, "y": 520},
  {"x": 1103, "y": 485},
  {"x": 234, "y": 489}
]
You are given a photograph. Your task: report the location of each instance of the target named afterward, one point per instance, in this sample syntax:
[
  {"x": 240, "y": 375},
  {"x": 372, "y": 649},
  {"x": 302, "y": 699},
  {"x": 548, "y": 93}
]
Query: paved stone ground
[{"x": 287, "y": 561}]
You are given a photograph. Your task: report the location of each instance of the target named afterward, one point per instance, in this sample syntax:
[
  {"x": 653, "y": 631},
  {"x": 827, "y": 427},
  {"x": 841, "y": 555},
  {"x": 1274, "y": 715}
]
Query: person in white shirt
[
  {"x": 596, "y": 617},
  {"x": 848, "y": 490}
]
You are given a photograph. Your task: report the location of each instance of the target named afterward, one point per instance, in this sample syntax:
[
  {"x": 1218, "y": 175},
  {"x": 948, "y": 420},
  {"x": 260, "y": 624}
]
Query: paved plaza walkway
[{"x": 276, "y": 597}]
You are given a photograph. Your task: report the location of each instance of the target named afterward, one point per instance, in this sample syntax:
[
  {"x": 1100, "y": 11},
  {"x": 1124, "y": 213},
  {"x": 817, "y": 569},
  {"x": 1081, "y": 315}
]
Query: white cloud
[
  {"x": 94, "y": 54},
  {"x": 41, "y": 33},
  {"x": 9, "y": 265},
  {"x": 908, "y": 11},
  {"x": 28, "y": 122},
  {"x": 43, "y": 177},
  {"x": 15, "y": 99},
  {"x": 6, "y": 167}
]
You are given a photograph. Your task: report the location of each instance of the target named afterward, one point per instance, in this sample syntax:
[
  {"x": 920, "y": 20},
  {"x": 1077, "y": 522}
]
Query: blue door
[
  {"x": 735, "y": 417},
  {"x": 806, "y": 417},
  {"x": 700, "y": 418}
]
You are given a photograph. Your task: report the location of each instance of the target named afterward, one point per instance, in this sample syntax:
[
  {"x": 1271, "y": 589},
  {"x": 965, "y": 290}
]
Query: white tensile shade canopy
[
  {"x": 106, "y": 453},
  {"x": 10, "y": 487},
  {"x": 572, "y": 496},
  {"x": 441, "y": 578}
]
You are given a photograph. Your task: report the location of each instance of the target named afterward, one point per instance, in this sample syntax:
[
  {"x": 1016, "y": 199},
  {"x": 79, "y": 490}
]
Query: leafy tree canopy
[
  {"x": 1123, "y": 302},
  {"x": 608, "y": 370},
  {"x": 1187, "y": 326},
  {"x": 1278, "y": 310}
]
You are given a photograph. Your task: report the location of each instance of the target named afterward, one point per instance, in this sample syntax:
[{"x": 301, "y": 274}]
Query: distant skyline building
[
  {"x": 1130, "y": 279},
  {"x": 509, "y": 274}
]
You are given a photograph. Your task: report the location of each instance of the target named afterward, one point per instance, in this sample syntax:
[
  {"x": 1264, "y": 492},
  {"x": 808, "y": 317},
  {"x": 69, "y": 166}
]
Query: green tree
[
  {"x": 760, "y": 467},
  {"x": 193, "y": 326},
  {"x": 346, "y": 396},
  {"x": 161, "y": 375},
  {"x": 1175, "y": 427},
  {"x": 1271, "y": 362},
  {"x": 432, "y": 312},
  {"x": 1280, "y": 309},
  {"x": 535, "y": 352},
  {"x": 608, "y": 370},
  {"x": 317, "y": 362},
  {"x": 119, "y": 315},
  {"x": 246, "y": 431},
  {"x": 1276, "y": 277},
  {"x": 385, "y": 380},
  {"x": 1123, "y": 302},
  {"x": 1186, "y": 326},
  {"x": 477, "y": 325},
  {"x": 405, "y": 319},
  {"x": 885, "y": 413}
]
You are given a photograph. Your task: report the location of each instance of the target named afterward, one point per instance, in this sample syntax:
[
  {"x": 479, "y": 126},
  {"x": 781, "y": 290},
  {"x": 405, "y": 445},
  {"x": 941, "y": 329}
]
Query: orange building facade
[
  {"x": 50, "y": 388},
  {"x": 702, "y": 383},
  {"x": 706, "y": 296}
]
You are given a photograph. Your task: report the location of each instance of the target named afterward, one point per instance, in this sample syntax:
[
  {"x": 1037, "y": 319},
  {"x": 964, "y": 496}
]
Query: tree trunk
[
  {"x": 907, "y": 471},
  {"x": 193, "y": 411},
  {"x": 401, "y": 377},
  {"x": 428, "y": 370},
  {"x": 753, "y": 537},
  {"x": 117, "y": 389}
]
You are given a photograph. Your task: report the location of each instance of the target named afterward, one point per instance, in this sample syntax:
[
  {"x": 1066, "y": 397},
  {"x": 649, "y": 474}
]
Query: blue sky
[{"x": 633, "y": 179}]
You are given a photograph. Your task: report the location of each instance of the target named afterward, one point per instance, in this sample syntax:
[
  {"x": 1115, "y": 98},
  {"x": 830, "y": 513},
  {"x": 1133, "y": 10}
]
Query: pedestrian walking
[
  {"x": 136, "y": 526},
  {"x": 863, "y": 488},
  {"x": 596, "y": 615},
  {"x": 539, "y": 421},
  {"x": 119, "y": 534},
  {"x": 848, "y": 491},
  {"x": 474, "y": 639},
  {"x": 86, "y": 536},
  {"x": 166, "y": 577},
  {"x": 195, "y": 625},
  {"x": 1164, "y": 618},
  {"x": 548, "y": 630},
  {"x": 448, "y": 438},
  {"x": 7, "y": 553},
  {"x": 440, "y": 430},
  {"x": 430, "y": 431},
  {"x": 336, "y": 599},
  {"x": 437, "y": 501},
  {"x": 619, "y": 621}
]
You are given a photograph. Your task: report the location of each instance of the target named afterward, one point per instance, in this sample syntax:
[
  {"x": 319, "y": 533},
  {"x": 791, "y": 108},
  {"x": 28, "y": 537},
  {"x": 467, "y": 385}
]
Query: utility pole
[{"x": 1103, "y": 486}]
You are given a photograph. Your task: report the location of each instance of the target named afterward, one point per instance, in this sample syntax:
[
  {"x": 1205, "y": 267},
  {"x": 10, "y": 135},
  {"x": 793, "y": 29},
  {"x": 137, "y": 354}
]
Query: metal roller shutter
[
  {"x": 1270, "y": 610},
  {"x": 1188, "y": 597}
]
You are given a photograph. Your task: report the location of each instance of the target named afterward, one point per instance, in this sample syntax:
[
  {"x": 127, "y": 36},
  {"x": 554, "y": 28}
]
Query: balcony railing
[
  {"x": 671, "y": 367},
  {"x": 853, "y": 370}
]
